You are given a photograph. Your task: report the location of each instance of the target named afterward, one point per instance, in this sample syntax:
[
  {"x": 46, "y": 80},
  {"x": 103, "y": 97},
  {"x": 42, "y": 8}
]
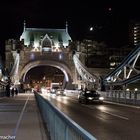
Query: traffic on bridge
[
  {"x": 54, "y": 86},
  {"x": 105, "y": 121}
]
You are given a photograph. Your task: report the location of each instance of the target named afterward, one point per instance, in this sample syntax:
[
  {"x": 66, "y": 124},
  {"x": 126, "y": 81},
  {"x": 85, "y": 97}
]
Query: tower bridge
[
  {"x": 46, "y": 47},
  {"x": 51, "y": 47}
]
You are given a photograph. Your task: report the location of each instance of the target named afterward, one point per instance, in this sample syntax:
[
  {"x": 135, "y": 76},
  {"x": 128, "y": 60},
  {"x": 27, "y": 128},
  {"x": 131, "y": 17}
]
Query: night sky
[{"x": 110, "y": 20}]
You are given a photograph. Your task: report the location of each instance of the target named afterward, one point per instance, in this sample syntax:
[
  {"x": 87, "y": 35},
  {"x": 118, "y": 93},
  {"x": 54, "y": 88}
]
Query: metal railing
[
  {"x": 60, "y": 126},
  {"x": 2, "y": 92},
  {"x": 120, "y": 96}
]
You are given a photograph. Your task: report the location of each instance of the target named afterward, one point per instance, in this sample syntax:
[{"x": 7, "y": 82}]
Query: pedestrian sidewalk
[{"x": 20, "y": 118}]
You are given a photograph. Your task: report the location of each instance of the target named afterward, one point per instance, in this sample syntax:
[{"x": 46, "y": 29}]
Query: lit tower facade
[{"x": 45, "y": 39}]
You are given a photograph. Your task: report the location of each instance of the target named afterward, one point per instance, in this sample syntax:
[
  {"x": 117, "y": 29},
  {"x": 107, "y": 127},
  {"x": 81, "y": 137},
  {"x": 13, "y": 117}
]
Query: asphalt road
[{"x": 104, "y": 121}]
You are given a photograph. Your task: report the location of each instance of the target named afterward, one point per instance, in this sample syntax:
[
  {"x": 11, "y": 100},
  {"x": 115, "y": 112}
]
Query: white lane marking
[
  {"x": 20, "y": 117},
  {"x": 115, "y": 115}
]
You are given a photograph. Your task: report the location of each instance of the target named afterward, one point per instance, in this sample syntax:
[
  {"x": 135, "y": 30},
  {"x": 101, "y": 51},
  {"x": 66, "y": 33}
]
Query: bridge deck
[{"x": 20, "y": 118}]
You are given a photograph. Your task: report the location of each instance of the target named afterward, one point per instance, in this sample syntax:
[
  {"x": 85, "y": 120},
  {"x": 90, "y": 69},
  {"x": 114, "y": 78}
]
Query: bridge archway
[{"x": 64, "y": 68}]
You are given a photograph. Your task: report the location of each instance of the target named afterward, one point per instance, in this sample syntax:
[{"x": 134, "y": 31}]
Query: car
[
  {"x": 57, "y": 91},
  {"x": 53, "y": 90},
  {"x": 60, "y": 92},
  {"x": 90, "y": 96}
]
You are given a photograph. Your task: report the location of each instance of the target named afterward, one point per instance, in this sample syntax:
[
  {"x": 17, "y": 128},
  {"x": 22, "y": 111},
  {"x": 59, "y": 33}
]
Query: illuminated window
[
  {"x": 112, "y": 64},
  {"x": 135, "y": 38},
  {"x": 135, "y": 34}
]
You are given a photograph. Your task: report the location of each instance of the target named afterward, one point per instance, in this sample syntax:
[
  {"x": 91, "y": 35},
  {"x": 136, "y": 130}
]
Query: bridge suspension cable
[
  {"x": 3, "y": 76},
  {"x": 84, "y": 73},
  {"x": 14, "y": 74}
]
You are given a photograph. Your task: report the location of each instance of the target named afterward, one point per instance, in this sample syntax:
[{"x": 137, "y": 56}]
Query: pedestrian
[
  {"x": 82, "y": 88},
  {"x": 8, "y": 90},
  {"x": 12, "y": 92},
  {"x": 16, "y": 91},
  {"x": 86, "y": 89}
]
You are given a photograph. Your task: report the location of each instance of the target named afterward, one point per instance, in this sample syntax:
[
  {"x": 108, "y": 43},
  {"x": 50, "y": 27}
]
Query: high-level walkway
[{"x": 20, "y": 118}]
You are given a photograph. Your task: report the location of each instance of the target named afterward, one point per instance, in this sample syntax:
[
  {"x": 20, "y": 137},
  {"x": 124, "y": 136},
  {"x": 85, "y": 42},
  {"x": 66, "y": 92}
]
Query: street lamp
[{"x": 136, "y": 89}]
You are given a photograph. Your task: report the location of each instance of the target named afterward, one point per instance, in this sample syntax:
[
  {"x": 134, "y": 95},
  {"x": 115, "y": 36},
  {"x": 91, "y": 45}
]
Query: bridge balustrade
[
  {"x": 60, "y": 126},
  {"x": 128, "y": 97},
  {"x": 2, "y": 91}
]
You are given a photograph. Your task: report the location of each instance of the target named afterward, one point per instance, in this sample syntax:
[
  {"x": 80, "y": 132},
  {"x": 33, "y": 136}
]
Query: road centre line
[{"x": 115, "y": 115}]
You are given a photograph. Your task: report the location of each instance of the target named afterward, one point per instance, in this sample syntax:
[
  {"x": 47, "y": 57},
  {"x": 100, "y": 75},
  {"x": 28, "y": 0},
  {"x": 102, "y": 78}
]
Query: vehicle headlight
[
  {"x": 53, "y": 90},
  {"x": 90, "y": 98},
  {"x": 101, "y": 98}
]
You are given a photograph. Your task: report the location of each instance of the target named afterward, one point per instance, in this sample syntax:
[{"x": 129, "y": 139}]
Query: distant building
[
  {"x": 134, "y": 33},
  {"x": 98, "y": 55}
]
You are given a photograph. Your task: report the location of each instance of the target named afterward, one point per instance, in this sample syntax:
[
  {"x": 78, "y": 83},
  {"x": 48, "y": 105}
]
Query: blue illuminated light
[
  {"x": 60, "y": 56},
  {"x": 32, "y": 56}
]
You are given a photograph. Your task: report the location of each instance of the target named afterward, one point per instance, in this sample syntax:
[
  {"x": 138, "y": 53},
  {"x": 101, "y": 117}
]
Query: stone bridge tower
[{"x": 40, "y": 47}]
